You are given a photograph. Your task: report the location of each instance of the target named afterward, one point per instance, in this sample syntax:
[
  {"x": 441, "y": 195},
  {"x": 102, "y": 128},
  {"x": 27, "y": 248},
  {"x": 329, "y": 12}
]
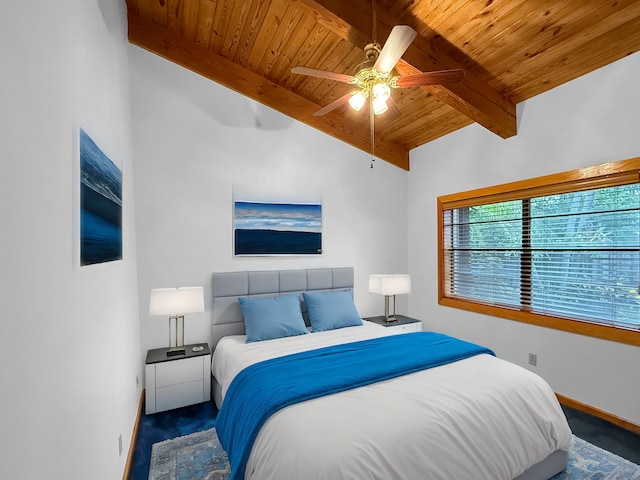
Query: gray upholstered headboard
[{"x": 227, "y": 287}]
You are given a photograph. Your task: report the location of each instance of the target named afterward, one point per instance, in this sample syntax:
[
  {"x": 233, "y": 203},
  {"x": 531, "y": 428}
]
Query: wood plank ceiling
[{"x": 510, "y": 50}]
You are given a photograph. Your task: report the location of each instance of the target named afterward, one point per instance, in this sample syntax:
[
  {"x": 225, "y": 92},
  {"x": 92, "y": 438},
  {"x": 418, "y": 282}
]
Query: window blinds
[{"x": 573, "y": 255}]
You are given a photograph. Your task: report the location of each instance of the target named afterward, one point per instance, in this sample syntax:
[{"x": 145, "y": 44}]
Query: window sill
[{"x": 605, "y": 332}]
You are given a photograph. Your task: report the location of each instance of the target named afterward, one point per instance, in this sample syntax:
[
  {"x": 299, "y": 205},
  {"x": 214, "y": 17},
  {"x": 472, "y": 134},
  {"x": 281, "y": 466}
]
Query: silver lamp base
[
  {"x": 389, "y": 318},
  {"x": 176, "y": 341}
]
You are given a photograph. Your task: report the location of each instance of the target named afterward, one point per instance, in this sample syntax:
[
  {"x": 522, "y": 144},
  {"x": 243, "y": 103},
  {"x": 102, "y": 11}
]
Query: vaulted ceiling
[{"x": 510, "y": 51}]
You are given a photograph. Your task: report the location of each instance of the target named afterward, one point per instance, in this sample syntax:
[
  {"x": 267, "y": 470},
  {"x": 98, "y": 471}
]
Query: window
[{"x": 561, "y": 251}]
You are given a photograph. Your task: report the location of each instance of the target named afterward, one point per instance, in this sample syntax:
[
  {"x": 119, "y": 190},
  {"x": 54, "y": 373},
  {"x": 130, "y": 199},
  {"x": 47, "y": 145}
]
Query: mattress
[{"x": 480, "y": 418}]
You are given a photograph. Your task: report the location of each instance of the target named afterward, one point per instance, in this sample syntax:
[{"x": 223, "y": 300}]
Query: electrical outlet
[
  {"x": 120, "y": 445},
  {"x": 533, "y": 359}
]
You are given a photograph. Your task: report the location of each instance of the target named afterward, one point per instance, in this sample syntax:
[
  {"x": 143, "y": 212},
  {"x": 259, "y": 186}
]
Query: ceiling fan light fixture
[
  {"x": 379, "y": 105},
  {"x": 357, "y": 100},
  {"x": 381, "y": 91}
]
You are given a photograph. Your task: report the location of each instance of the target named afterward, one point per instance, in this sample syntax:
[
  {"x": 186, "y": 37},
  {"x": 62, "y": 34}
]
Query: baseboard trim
[
  {"x": 134, "y": 436},
  {"x": 596, "y": 412}
]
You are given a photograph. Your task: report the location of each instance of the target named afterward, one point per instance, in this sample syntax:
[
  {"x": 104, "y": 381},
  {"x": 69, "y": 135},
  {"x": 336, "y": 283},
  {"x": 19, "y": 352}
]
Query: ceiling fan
[{"x": 374, "y": 78}]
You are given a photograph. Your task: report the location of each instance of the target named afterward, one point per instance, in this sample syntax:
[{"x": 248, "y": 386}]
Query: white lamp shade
[
  {"x": 176, "y": 301},
  {"x": 357, "y": 101},
  {"x": 379, "y": 106},
  {"x": 381, "y": 91},
  {"x": 390, "y": 284}
]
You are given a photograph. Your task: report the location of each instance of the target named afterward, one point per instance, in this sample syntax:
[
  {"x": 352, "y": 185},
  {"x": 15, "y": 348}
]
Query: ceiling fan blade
[
  {"x": 399, "y": 40},
  {"x": 312, "y": 72},
  {"x": 333, "y": 105},
  {"x": 429, "y": 78}
]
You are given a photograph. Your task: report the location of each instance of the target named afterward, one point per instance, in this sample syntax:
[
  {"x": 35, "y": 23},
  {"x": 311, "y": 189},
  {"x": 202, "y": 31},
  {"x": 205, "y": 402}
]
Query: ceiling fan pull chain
[{"x": 372, "y": 128}]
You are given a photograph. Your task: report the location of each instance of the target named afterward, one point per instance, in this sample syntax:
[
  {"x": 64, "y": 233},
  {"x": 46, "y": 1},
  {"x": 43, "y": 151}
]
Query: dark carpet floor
[
  {"x": 604, "y": 434},
  {"x": 183, "y": 421}
]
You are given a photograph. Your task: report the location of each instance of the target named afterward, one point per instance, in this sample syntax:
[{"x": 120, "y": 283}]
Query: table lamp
[
  {"x": 390, "y": 285},
  {"x": 175, "y": 302}
]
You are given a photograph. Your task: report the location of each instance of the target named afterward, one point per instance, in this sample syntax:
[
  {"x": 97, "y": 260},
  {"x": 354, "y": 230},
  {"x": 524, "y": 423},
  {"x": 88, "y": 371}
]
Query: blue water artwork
[
  {"x": 277, "y": 228},
  {"x": 100, "y": 205}
]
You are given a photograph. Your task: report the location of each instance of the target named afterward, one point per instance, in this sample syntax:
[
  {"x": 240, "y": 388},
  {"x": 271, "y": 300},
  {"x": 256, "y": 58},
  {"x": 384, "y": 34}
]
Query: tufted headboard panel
[{"x": 228, "y": 286}]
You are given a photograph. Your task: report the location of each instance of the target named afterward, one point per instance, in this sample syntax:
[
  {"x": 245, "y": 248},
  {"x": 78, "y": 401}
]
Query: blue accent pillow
[
  {"x": 331, "y": 310},
  {"x": 272, "y": 317}
]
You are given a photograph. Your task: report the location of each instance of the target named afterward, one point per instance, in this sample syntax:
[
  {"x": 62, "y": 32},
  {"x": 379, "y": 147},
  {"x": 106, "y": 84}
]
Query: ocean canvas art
[
  {"x": 277, "y": 228},
  {"x": 100, "y": 205}
]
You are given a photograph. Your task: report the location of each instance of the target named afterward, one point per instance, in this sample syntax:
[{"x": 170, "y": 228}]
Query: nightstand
[
  {"x": 402, "y": 325},
  {"x": 178, "y": 380}
]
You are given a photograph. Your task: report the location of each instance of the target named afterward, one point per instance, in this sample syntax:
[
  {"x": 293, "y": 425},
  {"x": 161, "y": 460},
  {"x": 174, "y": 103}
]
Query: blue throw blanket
[{"x": 262, "y": 389}]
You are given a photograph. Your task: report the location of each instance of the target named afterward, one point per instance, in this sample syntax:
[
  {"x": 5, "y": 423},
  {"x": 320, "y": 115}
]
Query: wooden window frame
[{"x": 599, "y": 176}]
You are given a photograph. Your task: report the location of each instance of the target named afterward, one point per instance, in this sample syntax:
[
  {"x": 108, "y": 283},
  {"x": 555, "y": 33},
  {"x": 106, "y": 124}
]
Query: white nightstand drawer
[
  {"x": 182, "y": 371},
  {"x": 407, "y": 327},
  {"x": 174, "y": 396}
]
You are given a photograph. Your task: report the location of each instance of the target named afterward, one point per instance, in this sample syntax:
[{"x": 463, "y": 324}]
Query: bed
[{"x": 475, "y": 417}]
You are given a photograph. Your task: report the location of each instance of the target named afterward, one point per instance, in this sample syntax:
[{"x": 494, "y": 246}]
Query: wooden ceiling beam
[
  {"x": 174, "y": 48},
  {"x": 472, "y": 97}
]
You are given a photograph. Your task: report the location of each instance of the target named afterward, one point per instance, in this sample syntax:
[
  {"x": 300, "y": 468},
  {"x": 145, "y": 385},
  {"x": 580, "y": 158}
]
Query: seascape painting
[
  {"x": 100, "y": 205},
  {"x": 277, "y": 228}
]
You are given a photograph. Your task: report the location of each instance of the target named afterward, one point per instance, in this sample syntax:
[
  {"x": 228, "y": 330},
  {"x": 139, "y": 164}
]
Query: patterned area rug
[
  {"x": 199, "y": 456},
  {"x": 588, "y": 462}
]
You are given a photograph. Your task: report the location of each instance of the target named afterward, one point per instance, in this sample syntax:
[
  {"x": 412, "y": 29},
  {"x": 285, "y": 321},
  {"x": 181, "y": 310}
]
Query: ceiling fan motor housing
[{"x": 372, "y": 50}]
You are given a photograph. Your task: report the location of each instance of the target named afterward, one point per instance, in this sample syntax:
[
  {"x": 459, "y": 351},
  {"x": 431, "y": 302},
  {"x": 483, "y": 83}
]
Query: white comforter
[{"x": 479, "y": 418}]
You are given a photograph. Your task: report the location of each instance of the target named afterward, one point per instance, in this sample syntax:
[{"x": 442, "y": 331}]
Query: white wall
[
  {"x": 194, "y": 139},
  {"x": 589, "y": 121},
  {"x": 70, "y": 336}
]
